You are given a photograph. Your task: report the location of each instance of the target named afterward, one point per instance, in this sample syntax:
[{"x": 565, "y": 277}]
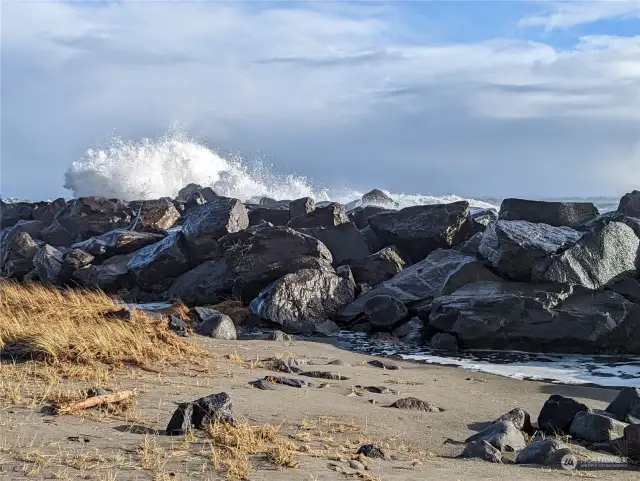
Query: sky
[{"x": 509, "y": 98}]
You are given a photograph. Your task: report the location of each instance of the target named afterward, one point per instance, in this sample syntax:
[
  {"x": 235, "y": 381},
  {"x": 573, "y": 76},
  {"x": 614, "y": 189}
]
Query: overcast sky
[{"x": 480, "y": 99}]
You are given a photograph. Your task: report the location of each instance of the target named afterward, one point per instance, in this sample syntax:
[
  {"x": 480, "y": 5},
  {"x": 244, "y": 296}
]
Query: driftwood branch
[{"x": 94, "y": 401}]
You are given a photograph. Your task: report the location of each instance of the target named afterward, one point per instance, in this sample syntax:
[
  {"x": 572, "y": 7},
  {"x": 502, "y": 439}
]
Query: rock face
[
  {"x": 93, "y": 216},
  {"x": 552, "y": 318},
  {"x": 208, "y": 283},
  {"x": 48, "y": 264},
  {"x": 17, "y": 250},
  {"x": 558, "y": 414},
  {"x": 624, "y": 403},
  {"x": 344, "y": 241},
  {"x": 377, "y": 268},
  {"x": 419, "y": 230},
  {"x": 117, "y": 242},
  {"x": 514, "y": 247},
  {"x": 10, "y": 214},
  {"x": 630, "y": 204},
  {"x": 109, "y": 278},
  {"x": 154, "y": 215},
  {"x": 596, "y": 428},
  {"x": 158, "y": 262},
  {"x": 384, "y": 312},
  {"x": 502, "y": 435},
  {"x": 444, "y": 341},
  {"x": 306, "y": 296},
  {"x": 360, "y": 215},
  {"x": 301, "y": 206},
  {"x": 56, "y": 235},
  {"x": 205, "y": 225},
  {"x": 557, "y": 214},
  {"x": 329, "y": 216},
  {"x": 600, "y": 257},
  {"x": 259, "y": 215}
]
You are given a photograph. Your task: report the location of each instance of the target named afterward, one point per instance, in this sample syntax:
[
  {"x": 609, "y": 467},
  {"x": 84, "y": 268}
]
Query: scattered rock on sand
[
  {"x": 389, "y": 366},
  {"x": 202, "y": 412},
  {"x": 415, "y": 404},
  {"x": 325, "y": 375},
  {"x": 503, "y": 435},
  {"x": 357, "y": 465},
  {"x": 623, "y": 403},
  {"x": 287, "y": 381},
  {"x": 279, "y": 336},
  {"x": 262, "y": 384},
  {"x": 482, "y": 450},
  {"x": 520, "y": 418},
  {"x": 558, "y": 413},
  {"x": 339, "y": 362},
  {"x": 596, "y": 428},
  {"x": 544, "y": 453},
  {"x": 372, "y": 451}
]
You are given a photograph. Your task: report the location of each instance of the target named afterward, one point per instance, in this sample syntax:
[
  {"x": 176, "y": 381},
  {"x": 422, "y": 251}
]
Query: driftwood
[{"x": 94, "y": 401}]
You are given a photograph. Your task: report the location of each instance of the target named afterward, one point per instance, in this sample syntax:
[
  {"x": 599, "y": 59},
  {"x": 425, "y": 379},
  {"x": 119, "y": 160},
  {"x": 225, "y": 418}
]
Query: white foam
[{"x": 160, "y": 167}]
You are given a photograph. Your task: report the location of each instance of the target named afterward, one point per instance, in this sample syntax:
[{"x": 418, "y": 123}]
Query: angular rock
[
  {"x": 180, "y": 422},
  {"x": 159, "y": 262},
  {"x": 543, "y": 453},
  {"x": 266, "y": 214},
  {"x": 329, "y": 216},
  {"x": 599, "y": 258},
  {"x": 215, "y": 408},
  {"x": 502, "y": 435},
  {"x": 384, "y": 312},
  {"x": 286, "y": 381},
  {"x": 514, "y": 247},
  {"x": 557, "y": 214},
  {"x": 217, "y": 325},
  {"x": 630, "y": 204},
  {"x": 17, "y": 250},
  {"x": 32, "y": 227},
  {"x": 471, "y": 246},
  {"x": 520, "y": 418},
  {"x": 482, "y": 450},
  {"x": 205, "y": 225},
  {"x": 466, "y": 272},
  {"x": 344, "y": 241},
  {"x": 622, "y": 404},
  {"x": 262, "y": 384},
  {"x": 558, "y": 414},
  {"x": 631, "y": 442},
  {"x": 325, "y": 375},
  {"x": 372, "y": 451},
  {"x": 93, "y": 216},
  {"x": 279, "y": 336},
  {"x": 306, "y": 296},
  {"x": 419, "y": 230},
  {"x": 48, "y": 264},
  {"x": 56, "y": 235},
  {"x": 410, "y": 331},
  {"x": 327, "y": 328},
  {"x": 117, "y": 242},
  {"x": 109, "y": 278},
  {"x": 415, "y": 404},
  {"x": 481, "y": 218},
  {"x": 628, "y": 288},
  {"x": 360, "y": 215},
  {"x": 345, "y": 273},
  {"x": 155, "y": 215},
  {"x": 372, "y": 239},
  {"x": 377, "y": 268},
  {"x": 73, "y": 260},
  {"x": 444, "y": 341},
  {"x": 11, "y": 214},
  {"x": 188, "y": 190},
  {"x": 179, "y": 326},
  {"x": 301, "y": 206},
  {"x": 377, "y": 197},
  {"x": 208, "y": 283},
  {"x": 596, "y": 428}
]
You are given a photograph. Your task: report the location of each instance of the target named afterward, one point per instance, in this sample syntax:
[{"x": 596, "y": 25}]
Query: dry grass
[
  {"x": 72, "y": 326},
  {"x": 234, "y": 309}
]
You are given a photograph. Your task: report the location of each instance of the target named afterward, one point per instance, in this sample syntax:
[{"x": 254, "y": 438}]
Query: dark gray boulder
[
  {"x": 179, "y": 326},
  {"x": 384, "y": 312},
  {"x": 631, "y": 442},
  {"x": 109, "y": 278},
  {"x": 513, "y": 248},
  {"x": 482, "y": 450},
  {"x": 377, "y": 197},
  {"x": 159, "y": 262},
  {"x": 538, "y": 317},
  {"x": 93, "y": 216},
  {"x": 520, "y": 418},
  {"x": 628, "y": 288},
  {"x": 596, "y": 428},
  {"x": 471, "y": 246},
  {"x": 547, "y": 452},
  {"x": 419, "y": 230},
  {"x": 180, "y": 422},
  {"x": 17, "y": 250},
  {"x": 301, "y": 206},
  {"x": 345, "y": 273},
  {"x": 203, "y": 226},
  {"x": 623, "y": 403},
  {"x": 558, "y": 413},
  {"x": 217, "y": 325},
  {"x": 199, "y": 414},
  {"x": 630, "y": 204},
  {"x": 444, "y": 341},
  {"x": 188, "y": 190},
  {"x": 331, "y": 215},
  {"x": 372, "y": 239},
  {"x": 600, "y": 257},
  {"x": 372, "y": 451},
  {"x": 208, "y": 283},
  {"x": 11, "y": 214},
  {"x": 73, "y": 260},
  {"x": 502, "y": 435},
  {"x": 48, "y": 264},
  {"x": 377, "y": 268},
  {"x": 410, "y": 331},
  {"x": 117, "y": 242},
  {"x": 306, "y": 296},
  {"x": 154, "y": 215},
  {"x": 56, "y": 235},
  {"x": 360, "y": 215},
  {"x": 481, "y": 218},
  {"x": 416, "y": 284},
  {"x": 557, "y": 214},
  {"x": 466, "y": 272},
  {"x": 32, "y": 227},
  {"x": 344, "y": 241},
  {"x": 266, "y": 214}
]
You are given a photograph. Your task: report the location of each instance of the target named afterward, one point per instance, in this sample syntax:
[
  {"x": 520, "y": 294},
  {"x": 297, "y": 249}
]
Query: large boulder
[
  {"x": 547, "y": 452},
  {"x": 48, "y": 264},
  {"x": 372, "y": 239},
  {"x": 259, "y": 215},
  {"x": 188, "y": 190},
  {"x": 502, "y": 435},
  {"x": 32, "y": 227},
  {"x": 344, "y": 241},
  {"x": 377, "y": 197},
  {"x": 600, "y": 257},
  {"x": 109, "y": 278},
  {"x": 17, "y": 249},
  {"x": 539, "y": 317},
  {"x": 630, "y": 204},
  {"x": 360, "y": 215},
  {"x": 624, "y": 403},
  {"x": 208, "y": 283},
  {"x": 56, "y": 235},
  {"x": 596, "y": 428},
  {"x": 513, "y": 247},
  {"x": 46, "y": 213},
  {"x": 384, "y": 312},
  {"x": 557, "y": 214},
  {"x": 328, "y": 216},
  {"x": 421, "y": 229},
  {"x": 73, "y": 260},
  {"x": 214, "y": 324},
  {"x": 93, "y": 216},
  {"x": 378, "y": 267},
  {"x": 558, "y": 412},
  {"x": 117, "y": 242},
  {"x": 205, "y": 225},
  {"x": 301, "y": 206},
  {"x": 155, "y": 215},
  {"x": 10, "y": 214},
  {"x": 159, "y": 262},
  {"x": 306, "y": 297}
]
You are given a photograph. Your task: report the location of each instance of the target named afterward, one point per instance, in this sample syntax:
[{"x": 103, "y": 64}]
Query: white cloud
[
  {"x": 323, "y": 89},
  {"x": 566, "y": 14}
]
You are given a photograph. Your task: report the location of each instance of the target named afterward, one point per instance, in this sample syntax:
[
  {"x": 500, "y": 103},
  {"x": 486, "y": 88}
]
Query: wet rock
[
  {"x": 387, "y": 365},
  {"x": 203, "y": 226},
  {"x": 180, "y": 423},
  {"x": 513, "y": 248},
  {"x": 329, "y": 216},
  {"x": 327, "y": 328},
  {"x": 188, "y": 190},
  {"x": 520, "y": 419},
  {"x": 502, "y": 435},
  {"x": 301, "y": 206},
  {"x": 630, "y": 204},
  {"x": 384, "y": 312},
  {"x": 466, "y": 272},
  {"x": 543, "y": 453},
  {"x": 360, "y": 215},
  {"x": 48, "y": 264},
  {"x": 325, "y": 375},
  {"x": 482, "y": 450},
  {"x": 117, "y": 242},
  {"x": 377, "y": 268},
  {"x": 471, "y": 246},
  {"x": 622, "y": 404},
  {"x": 372, "y": 451},
  {"x": 596, "y": 428},
  {"x": 286, "y": 381},
  {"x": 410, "y": 331},
  {"x": 481, "y": 218},
  {"x": 160, "y": 261},
  {"x": 17, "y": 250},
  {"x": 377, "y": 197},
  {"x": 179, "y": 326},
  {"x": 306, "y": 296},
  {"x": 56, "y": 235},
  {"x": 280, "y": 336},
  {"x": 155, "y": 215},
  {"x": 557, "y": 214},
  {"x": 444, "y": 341},
  {"x": 344, "y": 241},
  {"x": 600, "y": 257},
  {"x": 73, "y": 260},
  {"x": 415, "y": 404},
  {"x": 93, "y": 216},
  {"x": 558, "y": 414},
  {"x": 419, "y": 230},
  {"x": 262, "y": 384}
]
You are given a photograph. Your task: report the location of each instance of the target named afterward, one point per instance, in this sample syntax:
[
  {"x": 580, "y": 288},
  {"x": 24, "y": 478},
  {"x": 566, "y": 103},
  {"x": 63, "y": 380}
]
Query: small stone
[
  {"x": 325, "y": 375},
  {"x": 357, "y": 465},
  {"x": 324, "y": 385},
  {"x": 390, "y": 366},
  {"x": 262, "y": 384},
  {"x": 339, "y": 362},
  {"x": 279, "y": 336},
  {"x": 482, "y": 450},
  {"x": 218, "y": 326},
  {"x": 286, "y": 381},
  {"x": 415, "y": 404},
  {"x": 372, "y": 451},
  {"x": 179, "y": 326}
]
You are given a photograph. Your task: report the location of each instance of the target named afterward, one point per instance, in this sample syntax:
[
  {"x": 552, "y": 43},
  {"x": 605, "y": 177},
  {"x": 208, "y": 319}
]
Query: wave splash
[{"x": 160, "y": 167}]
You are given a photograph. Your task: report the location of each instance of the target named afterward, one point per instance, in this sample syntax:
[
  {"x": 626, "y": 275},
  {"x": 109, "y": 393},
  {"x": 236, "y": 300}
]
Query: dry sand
[{"x": 40, "y": 445}]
